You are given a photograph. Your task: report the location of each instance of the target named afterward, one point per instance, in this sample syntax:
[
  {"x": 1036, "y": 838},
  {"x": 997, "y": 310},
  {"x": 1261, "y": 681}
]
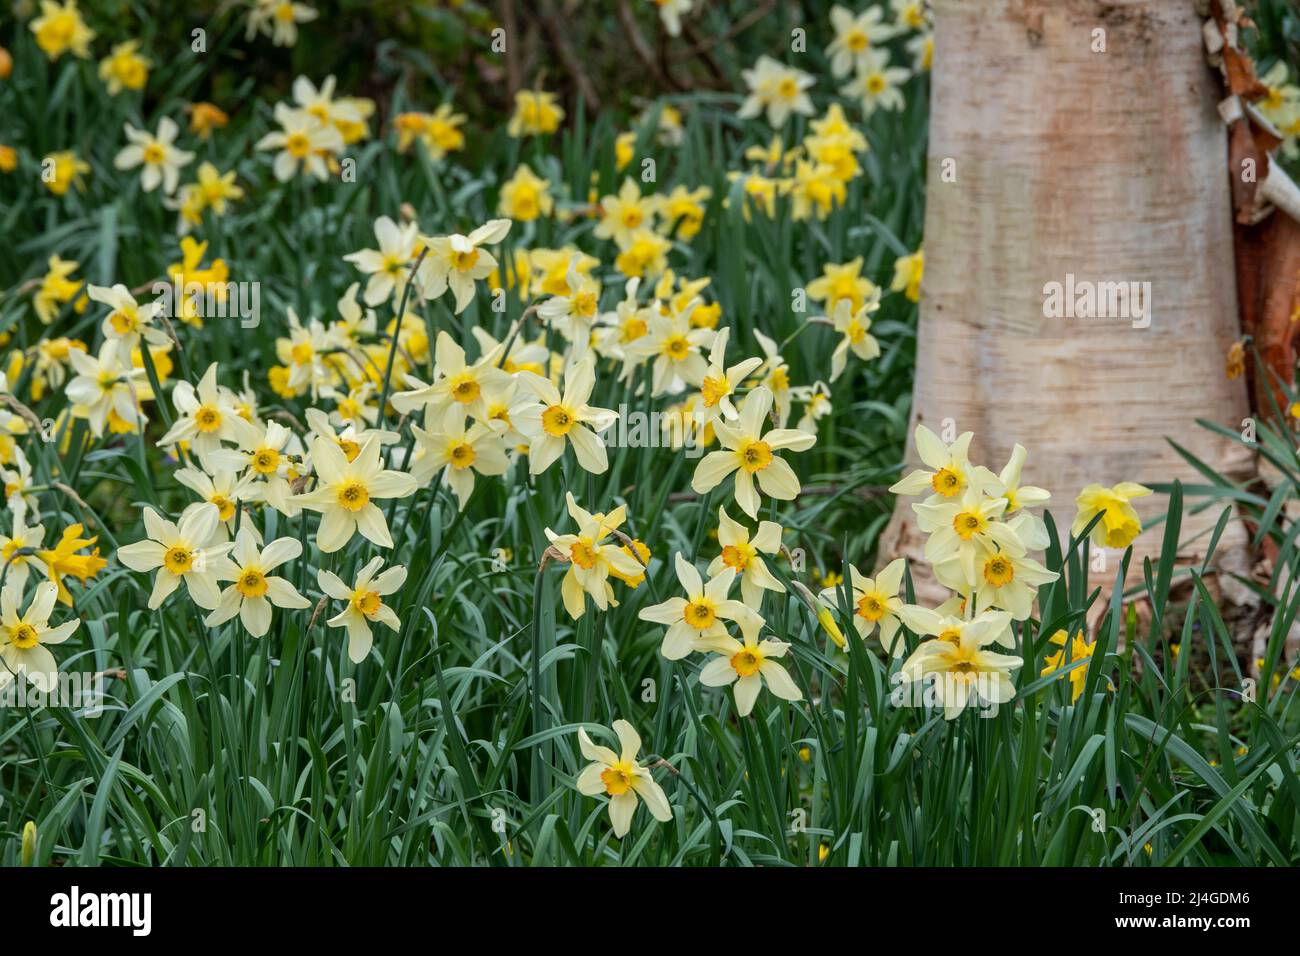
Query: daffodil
[
  {"x": 719, "y": 383},
  {"x": 213, "y": 190},
  {"x": 557, "y": 420},
  {"x": 222, "y": 488},
  {"x": 623, "y": 216},
  {"x": 1020, "y": 498},
  {"x": 349, "y": 436},
  {"x": 389, "y": 265},
  {"x": 592, "y": 558},
  {"x": 17, "y": 550},
  {"x": 750, "y": 452},
  {"x": 816, "y": 399},
  {"x": 303, "y": 142},
  {"x": 876, "y": 604},
  {"x": 1002, "y": 579},
  {"x": 278, "y": 19},
  {"x": 644, "y": 256},
  {"x": 698, "y": 618},
  {"x": 262, "y": 460},
  {"x": 525, "y": 196},
  {"x": 908, "y": 271},
  {"x": 876, "y": 84},
  {"x": 322, "y": 104},
  {"x": 346, "y": 492},
  {"x": 855, "y": 36},
  {"x": 536, "y": 112},
  {"x": 25, "y": 638},
  {"x": 17, "y": 482},
  {"x": 60, "y": 28},
  {"x": 921, "y": 47},
  {"x": 1078, "y": 649},
  {"x": 254, "y": 590},
  {"x": 777, "y": 89},
  {"x": 748, "y": 666},
  {"x": 857, "y": 338},
  {"x": 949, "y": 472},
  {"x": 128, "y": 320},
  {"x": 205, "y": 117},
  {"x": 960, "y": 527},
  {"x": 457, "y": 261},
  {"x": 573, "y": 314},
  {"x": 621, "y": 778},
  {"x": 456, "y": 381},
  {"x": 962, "y": 671},
  {"x": 186, "y": 552},
  {"x": 124, "y": 68},
  {"x": 674, "y": 347},
  {"x": 161, "y": 160},
  {"x": 1120, "y": 523},
  {"x": 446, "y": 445},
  {"x": 65, "y": 560},
  {"x": 365, "y": 603},
  {"x": 304, "y": 353},
  {"x": 744, "y": 555},
  {"x": 205, "y": 417},
  {"x": 105, "y": 385},
  {"x": 774, "y": 374},
  {"x": 57, "y": 288},
  {"x": 910, "y": 14},
  {"x": 617, "y": 330},
  {"x": 681, "y": 212},
  {"x": 62, "y": 170}
]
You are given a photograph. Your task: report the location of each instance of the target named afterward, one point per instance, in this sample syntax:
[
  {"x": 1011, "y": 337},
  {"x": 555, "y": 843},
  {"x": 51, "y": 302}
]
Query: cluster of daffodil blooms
[
  {"x": 815, "y": 173},
  {"x": 34, "y": 573},
  {"x": 393, "y": 404}
]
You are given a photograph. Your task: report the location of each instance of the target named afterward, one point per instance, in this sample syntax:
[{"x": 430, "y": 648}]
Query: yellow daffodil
[
  {"x": 776, "y": 89},
  {"x": 186, "y": 552},
  {"x": 621, "y": 778},
  {"x": 525, "y": 196},
  {"x": 254, "y": 590},
  {"x": 365, "y": 603},
  {"x": 876, "y": 604},
  {"x": 557, "y": 420},
  {"x": 744, "y": 555},
  {"x": 698, "y": 618},
  {"x": 161, "y": 160},
  {"x": 25, "y": 638},
  {"x": 124, "y": 68},
  {"x": 1120, "y": 524},
  {"x": 536, "y": 112},
  {"x": 346, "y": 492},
  {"x": 750, "y": 452},
  {"x": 60, "y": 29},
  {"x": 65, "y": 170},
  {"x": 1078, "y": 649}
]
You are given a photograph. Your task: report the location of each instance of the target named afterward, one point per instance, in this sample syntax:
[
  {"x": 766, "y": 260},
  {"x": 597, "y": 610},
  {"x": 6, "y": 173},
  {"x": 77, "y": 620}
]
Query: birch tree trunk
[{"x": 1107, "y": 166}]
